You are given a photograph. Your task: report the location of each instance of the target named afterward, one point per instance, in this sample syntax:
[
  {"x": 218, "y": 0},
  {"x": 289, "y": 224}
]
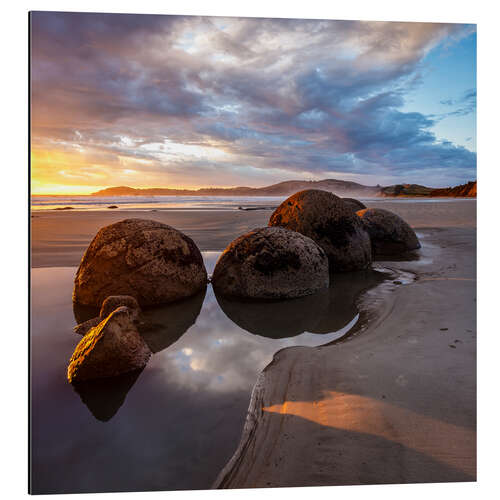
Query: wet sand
[
  {"x": 59, "y": 238},
  {"x": 395, "y": 403}
]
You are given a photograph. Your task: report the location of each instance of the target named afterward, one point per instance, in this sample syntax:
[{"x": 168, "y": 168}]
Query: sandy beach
[
  {"x": 59, "y": 238},
  {"x": 394, "y": 403}
]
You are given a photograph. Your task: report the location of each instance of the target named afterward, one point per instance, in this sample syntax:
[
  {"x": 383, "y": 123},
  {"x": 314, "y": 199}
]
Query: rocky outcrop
[
  {"x": 111, "y": 348},
  {"x": 108, "y": 306},
  {"x": 353, "y": 204},
  {"x": 389, "y": 233},
  {"x": 271, "y": 263},
  {"x": 468, "y": 190},
  {"x": 325, "y": 218},
  {"x": 114, "y": 301},
  {"x": 85, "y": 326},
  {"x": 152, "y": 262}
]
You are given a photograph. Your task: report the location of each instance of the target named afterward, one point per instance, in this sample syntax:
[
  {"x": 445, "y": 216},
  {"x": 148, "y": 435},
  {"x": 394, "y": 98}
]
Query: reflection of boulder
[
  {"x": 105, "y": 396},
  {"x": 271, "y": 263},
  {"x": 83, "y": 313},
  {"x": 149, "y": 260},
  {"x": 162, "y": 326},
  {"x": 389, "y": 233},
  {"x": 111, "y": 348},
  {"x": 341, "y": 308},
  {"x": 325, "y": 218},
  {"x": 324, "y": 312},
  {"x": 278, "y": 318}
]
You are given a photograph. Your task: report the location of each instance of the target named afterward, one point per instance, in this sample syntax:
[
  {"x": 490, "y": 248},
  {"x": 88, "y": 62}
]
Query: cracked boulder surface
[
  {"x": 353, "y": 204},
  {"x": 271, "y": 263},
  {"x": 389, "y": 233},
  {"x": 326, "y": 219},
  {"x": 111, "y": 348},
  {"x": 148, "y": 260}
]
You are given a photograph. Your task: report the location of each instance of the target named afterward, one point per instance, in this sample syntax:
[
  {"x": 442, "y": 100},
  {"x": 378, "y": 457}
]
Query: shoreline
[
  {"x": 355, "y": 412},
  {"x": 60, "y": 237},
  {"x": 392, "y": 402}
]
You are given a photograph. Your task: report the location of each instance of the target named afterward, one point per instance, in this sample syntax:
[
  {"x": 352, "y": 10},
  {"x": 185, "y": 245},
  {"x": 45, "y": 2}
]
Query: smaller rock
[
  {"x": 111, "y": 348},
  {"x": 108, "y": 306},
  {"x": 389, "y": 233},
  {"x": 353, "y": 204},
  {"x": 113, "y": 206},
  {"x": 84, "y": 327},
  {"x": 114, "y": 301}
]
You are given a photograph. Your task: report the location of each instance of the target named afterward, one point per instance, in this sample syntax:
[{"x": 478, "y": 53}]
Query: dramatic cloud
[{"x": 167, "y": 100}]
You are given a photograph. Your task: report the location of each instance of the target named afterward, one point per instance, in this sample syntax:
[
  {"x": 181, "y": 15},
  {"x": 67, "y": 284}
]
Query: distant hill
[
  {"x": 281, "y": 189},
  {"x": 340, "y": 188},
  {"x": 468, "y": 190},
  {"x": 414, "y": 190},
  {"x": 405, "y": 190}
]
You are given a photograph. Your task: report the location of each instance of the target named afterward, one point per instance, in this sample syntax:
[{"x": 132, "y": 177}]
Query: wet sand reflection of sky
[{"x": 176, "y": 423}]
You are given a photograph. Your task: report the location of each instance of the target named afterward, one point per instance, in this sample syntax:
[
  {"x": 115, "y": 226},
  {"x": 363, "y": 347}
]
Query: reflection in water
[
  {"x": 275, "y": 319},
  {"x": 341, "y": 298},
  {"x": 105, "y": 396},
  {"x": 178, "y": 423},
  {"x": 83, "y": 313},
  {"x": 324, "y": 312}
]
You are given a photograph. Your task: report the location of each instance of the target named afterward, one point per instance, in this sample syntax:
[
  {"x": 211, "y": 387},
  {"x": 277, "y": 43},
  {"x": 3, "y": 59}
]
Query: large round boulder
[
  {"x": 353, "y": 204},
  {"x": 323, "y": 217},
  {"x": 148, "y": 260},
  {"x": 271, "y": 263},
  {"x": 389, "y": 233}
]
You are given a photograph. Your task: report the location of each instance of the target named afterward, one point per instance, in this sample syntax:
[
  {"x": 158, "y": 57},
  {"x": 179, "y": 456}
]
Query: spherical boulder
[
  {"x": 389, "y": 233},
  {"x": 271, "y": 263},
  {"x": 152, "y": 262},
  {"x": 325, "y": 218},
  {"x": 353, "y": 204}
]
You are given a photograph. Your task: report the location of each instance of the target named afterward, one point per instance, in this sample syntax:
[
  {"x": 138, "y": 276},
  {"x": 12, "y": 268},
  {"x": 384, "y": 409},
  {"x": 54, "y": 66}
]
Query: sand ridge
[{"x": 393, "y": 405}]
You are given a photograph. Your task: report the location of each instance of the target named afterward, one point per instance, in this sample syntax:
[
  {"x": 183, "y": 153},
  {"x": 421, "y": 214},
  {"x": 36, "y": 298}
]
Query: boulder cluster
[{"x": 135, "y": 264}]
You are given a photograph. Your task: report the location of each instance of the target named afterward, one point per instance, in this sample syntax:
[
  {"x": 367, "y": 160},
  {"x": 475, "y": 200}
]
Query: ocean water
[
  {"x": 176, "y": 423},
  {"x": 189, "y": 202},
  {"x": 153, "y": 202}
]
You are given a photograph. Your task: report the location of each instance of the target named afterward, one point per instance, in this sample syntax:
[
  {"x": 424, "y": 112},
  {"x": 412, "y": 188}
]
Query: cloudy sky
[{"x": 173, "y": 101}]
